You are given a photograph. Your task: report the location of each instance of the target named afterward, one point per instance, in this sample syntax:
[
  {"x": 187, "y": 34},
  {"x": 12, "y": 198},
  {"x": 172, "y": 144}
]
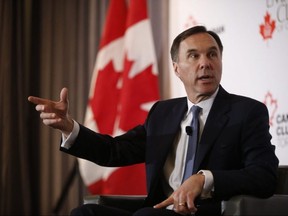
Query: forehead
[{"x": 200, "y": 41}]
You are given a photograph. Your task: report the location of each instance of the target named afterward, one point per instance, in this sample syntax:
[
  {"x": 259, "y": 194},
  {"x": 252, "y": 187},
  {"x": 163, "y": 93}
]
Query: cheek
[
  {"x": 186, "y": 72},
  {"x": 187, "y": 69},
  {"x": 219, "y": 74},
  {"x": 188, "y": 78},
  {"x": 217, "y": 70}
]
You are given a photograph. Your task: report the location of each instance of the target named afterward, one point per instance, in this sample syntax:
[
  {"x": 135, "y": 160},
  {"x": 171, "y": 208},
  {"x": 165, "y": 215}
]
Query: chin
[{"x": 208, "y": 90}]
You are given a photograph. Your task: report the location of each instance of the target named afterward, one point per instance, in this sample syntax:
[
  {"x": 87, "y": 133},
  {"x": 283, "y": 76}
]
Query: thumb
[{"x": 64, "y": 95}]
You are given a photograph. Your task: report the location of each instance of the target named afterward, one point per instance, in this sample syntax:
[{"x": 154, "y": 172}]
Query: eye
[
  {"x": 193, "y": 55},
  {"x": 212, "y": 54}
]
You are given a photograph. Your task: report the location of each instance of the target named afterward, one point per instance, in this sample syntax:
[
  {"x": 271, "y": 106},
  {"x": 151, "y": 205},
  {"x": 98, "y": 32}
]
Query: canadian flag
[{"x": 123, "y": 88}]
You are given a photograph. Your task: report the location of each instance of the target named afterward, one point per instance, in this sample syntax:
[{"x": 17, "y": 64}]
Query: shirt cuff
[
  {"x": 69, "y": 141},
  {"x": 208, "y": 186}
]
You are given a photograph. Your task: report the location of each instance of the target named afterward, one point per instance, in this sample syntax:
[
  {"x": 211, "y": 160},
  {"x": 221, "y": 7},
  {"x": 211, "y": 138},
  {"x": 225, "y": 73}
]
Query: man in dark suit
[{"x": 233, "y": 156}]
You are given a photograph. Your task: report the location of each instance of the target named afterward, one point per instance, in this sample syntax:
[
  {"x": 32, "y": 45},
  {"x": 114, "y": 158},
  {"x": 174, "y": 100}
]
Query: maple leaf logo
[
  {"x": 267, "y": 29},
  {"x": 272, "y": 106},
  {"x": 191, "y": 21}
]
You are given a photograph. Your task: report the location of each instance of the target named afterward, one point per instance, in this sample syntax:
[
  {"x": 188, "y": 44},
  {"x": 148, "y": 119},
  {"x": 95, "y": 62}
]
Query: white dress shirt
[{"x": 175, "y": 163}]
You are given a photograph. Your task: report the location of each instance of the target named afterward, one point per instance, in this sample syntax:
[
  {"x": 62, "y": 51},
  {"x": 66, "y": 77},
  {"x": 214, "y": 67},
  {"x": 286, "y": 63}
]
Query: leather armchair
[
  {"x": 248, "y": 205},
  {"x": 127, "y": 202},
  {"x": 252, "y": 206},
  {"x": 241, "y": 205}
]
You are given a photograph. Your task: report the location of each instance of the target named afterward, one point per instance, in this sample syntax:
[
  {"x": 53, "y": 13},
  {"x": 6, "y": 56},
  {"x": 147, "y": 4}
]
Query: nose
[
  {"x": 204, "y": 63},
  {"x": 205, "y": 66}
]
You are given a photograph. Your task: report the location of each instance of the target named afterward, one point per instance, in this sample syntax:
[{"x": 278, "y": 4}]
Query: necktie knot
[{"x": 195, "y": 111}]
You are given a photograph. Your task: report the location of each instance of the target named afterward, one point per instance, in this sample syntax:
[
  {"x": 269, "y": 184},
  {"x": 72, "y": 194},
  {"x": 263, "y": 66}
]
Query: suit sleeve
[{"x": 105, "y": 150}]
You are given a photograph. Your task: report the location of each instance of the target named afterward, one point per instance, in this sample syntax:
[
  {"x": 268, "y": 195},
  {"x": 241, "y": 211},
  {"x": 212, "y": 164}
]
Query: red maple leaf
[
  {"x": 105, "y": 98},
  {"x": 135, "y": 93},
  {"x": 272, "y": 106},
  {"x": 267, "y": 29}
]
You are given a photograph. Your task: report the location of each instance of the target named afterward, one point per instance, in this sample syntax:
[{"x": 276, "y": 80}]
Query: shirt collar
[{"x": 205, "y": 104}]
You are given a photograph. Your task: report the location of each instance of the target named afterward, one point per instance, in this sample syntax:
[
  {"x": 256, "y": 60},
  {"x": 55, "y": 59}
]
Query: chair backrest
[
  {"x": 248, "y": 205},
  {"x": 282, "y": 185}
]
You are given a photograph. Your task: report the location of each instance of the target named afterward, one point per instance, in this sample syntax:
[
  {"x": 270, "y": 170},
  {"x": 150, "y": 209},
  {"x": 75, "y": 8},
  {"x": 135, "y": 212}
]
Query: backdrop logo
[
  {"x": 278, "y": 9},
  {"x": 268, "y": 27},
  {"x": 278, "y": 121},
  {"x": 191, "y": 21},
  {"x": 272, "y": 106}
]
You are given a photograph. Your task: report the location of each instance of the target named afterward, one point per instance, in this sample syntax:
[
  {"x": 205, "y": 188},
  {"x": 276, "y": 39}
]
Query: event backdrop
[{"x": 255, "y": 58}]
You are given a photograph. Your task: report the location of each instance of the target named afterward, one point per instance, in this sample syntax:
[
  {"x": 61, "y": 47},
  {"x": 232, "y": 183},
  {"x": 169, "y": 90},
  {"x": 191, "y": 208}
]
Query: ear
[{"x": 176, "y": 69}]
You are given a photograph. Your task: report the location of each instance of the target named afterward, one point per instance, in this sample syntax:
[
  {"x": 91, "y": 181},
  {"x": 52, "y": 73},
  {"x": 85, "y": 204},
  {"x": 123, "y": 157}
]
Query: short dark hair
[{"x": 185, "y": 34}]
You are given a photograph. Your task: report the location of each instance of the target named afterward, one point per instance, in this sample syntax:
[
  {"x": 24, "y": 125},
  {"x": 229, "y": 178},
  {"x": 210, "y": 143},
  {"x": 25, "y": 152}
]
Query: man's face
[{"x": 199, "y": 66}]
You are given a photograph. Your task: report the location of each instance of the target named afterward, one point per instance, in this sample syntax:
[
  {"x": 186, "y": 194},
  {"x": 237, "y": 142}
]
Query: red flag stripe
[
  {"x": 137, "y": 12},
  {"x": 114, "y": 26}
]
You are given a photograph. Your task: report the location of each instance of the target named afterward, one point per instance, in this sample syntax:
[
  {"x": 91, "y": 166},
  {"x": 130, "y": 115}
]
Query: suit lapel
[
  {"x": 168, "y": 124},
  {"x": 173, "y": 116},
  {"x": 216, "y": 120}
]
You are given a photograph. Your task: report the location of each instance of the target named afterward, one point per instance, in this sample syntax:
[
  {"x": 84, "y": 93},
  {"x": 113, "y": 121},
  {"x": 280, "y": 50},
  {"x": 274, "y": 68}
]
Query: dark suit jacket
[{"x": 235, "y": 145}]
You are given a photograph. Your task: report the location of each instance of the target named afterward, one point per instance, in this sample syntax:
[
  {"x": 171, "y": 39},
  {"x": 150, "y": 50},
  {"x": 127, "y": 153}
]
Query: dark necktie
[{"x": 192, "y": 143}]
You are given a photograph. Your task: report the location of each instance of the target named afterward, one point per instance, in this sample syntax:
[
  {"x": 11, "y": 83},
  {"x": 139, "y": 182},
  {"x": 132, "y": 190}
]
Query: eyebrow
[
  {"x": 209, "y": 49},
  {"x": 213, "y": 48}
]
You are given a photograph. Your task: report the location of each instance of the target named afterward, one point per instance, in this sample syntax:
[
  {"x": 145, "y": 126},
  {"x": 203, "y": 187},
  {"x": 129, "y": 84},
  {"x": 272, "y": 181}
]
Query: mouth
[{"x": 205, "y": 77}]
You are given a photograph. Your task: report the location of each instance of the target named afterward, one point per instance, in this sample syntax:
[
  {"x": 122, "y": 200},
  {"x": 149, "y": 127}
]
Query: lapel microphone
[{"x": 189, "y": 130}]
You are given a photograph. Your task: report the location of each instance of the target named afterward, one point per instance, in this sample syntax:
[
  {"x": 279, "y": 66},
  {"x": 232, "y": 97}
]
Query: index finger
[
  {"x": 37, "y": 100},
  {"x": 165, "y": 203}
]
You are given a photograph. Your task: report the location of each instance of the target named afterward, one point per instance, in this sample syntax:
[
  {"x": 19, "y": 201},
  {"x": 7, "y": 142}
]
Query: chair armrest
[
  {"x": 127, "y": 202},
  {"x": 247, "y": 205}
]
